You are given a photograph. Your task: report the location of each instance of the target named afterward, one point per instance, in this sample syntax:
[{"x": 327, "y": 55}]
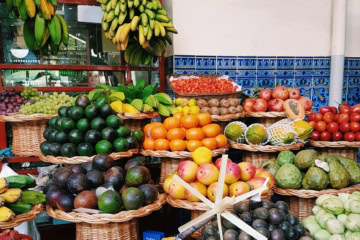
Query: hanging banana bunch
[
  {"x": 42, "y": 28},
  {"x": 140, "y": 28}
]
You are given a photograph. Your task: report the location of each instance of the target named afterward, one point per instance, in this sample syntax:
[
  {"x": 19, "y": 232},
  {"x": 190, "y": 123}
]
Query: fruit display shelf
[
  {"x": 84, "y": 159},
  {"x": 342, "y": 148},
  {"x": 137, "y": 121},
  {"x": 268, "y": 118},
  {"x": 177, "y": 154},
  {"x": 122, "y": 225},
  {"x": 27, "y": 132},
  {"x": 19, "y": 219}
]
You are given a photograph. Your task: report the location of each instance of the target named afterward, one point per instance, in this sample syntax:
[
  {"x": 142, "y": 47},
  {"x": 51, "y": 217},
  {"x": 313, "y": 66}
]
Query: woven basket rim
[
  {"x": 84, "y": 159},
  {"x": 26, "y": 118},
  {"x": 122, "y": 216},
  {"x": 177, "y": 154},
  {"x": 228, "y": 117},
  {"x": 266, "y": 148},
  {"x": 19, "y": 219},
  {"x": 270, "y": 114},
  {"x": 336, "y": 144},
  {"x": 139, "y": 116},
  {"x": 200, "y": 206},
  {"x": 302, "y": 193}
]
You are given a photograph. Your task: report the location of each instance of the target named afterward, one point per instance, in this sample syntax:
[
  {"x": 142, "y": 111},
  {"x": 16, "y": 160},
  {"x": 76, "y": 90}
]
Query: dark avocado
[
  {"x": 271, "y": 227},
  {"x": 227, "y": 224},
  {"x": 97, "y": 124},
  {"x": 137, "y": 176},
  {"x": 91, "y": 112},
  {"x": 109, "y": 134},
  {"x": 242, "y": 207},
  {"x": 267, "y": 204},
  {"x": 150, "y": 192},
  {"x": 285, "y": 226},
  {"x": 65, "y": 202},
  {"x": 61, "y": 137},
  {"x": 46, "y": 133},
  {"x": 85, "y": 199},
  {"x": 282, "y": 206},
  {"x": 246, "y": 217},
  {"x": 133, "y": 163},
  {"x": 275, "y": 216},
  {"x": 231, "y": 234},
  {"x": 76, "y": 136},
  {"x": 87, "y": 166},
  {"x": 58, "y": 123},
  {"x": 45, "y": 148},
  {"x": 92, "y": 136},
  {"x": 52, "y": 135},
  {"x": 261, "y": 213},
  {"x": 77, "y": 183},
  {"x": 300, "y": 229},
  {"x": 115, "y": 177},
  {"x": 76, "y": 113},
  {"x": 67, "y": 124},
  {"x": 55, "y": 149},
  {"x": 291, "y": 233},
  {"x": 264, "y": 232},
  {"x": 102, "y": 162},
  {"x": 82, "y": 101},
  {"x": 50, "y": 187},
  {"x": 68, "y": 150},
  {"x": 133, "y": 142},
  {"x": 259, "y": 223},
  {"x": 77, "y": 169},
  {"x": 52, "y": 122},
  {"x": 85, "y": 149},
  {"x": 207, "y": 231},
  {"x": 62, "y": 111},
  {"x": 278, "y": 234},
  {"x": 292, "y": 219},
  {"x": 132, "y": 198},
  {"x": 95, "y": 178},
  {"x": 245, "y": 236},
  {"x": 255, "y": 204},
  {"x": 100, "y": 102},
  {"x": 52, "y": 196},
  {"x": 106, "y": 111}
]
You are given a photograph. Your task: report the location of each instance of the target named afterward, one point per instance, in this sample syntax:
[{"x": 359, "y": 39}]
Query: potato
[
  {"x": 213, "y": 103},
  {"x": 234, "y": 102},
  {"x": 205, "y": 110},
  {"x": 201, "y": 103},
  {"x": 214, "y": 111},
  {"x": 224, "y": 103},
  {"x": 232, "y": 110},
  {"x": 224, "y": 111},
  {"x": 239, "y": 109}
]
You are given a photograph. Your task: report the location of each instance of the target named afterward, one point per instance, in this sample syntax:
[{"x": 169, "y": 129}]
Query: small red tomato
[
  {"x": 312, "y": 124},
  {"x": 343, "y": 117},
  {"x": 345, "y": 109},
  {"x": 357, "y": 136},
  {"x": 336, "y": 116},
  {"x": 325, "y": 136},
  {"x": 315, "y": 135},
  {"x": 324, "y": 110},
  {"x": 332, "y": 127},
  {"x": 329, "y": 117},
  {"x": 354, "y": 117},
  {"x": 349, "y": 136},
  {"x": 318, "y": 117},
  {"x": 337, "y": 136},
  {"x": 345, "y": 127},
  {"x": 311, "y": 117},
  {"x": 320, "y": 126},
  {"x": 333, "y": 110},
  {"x": 355, "y": 127}
]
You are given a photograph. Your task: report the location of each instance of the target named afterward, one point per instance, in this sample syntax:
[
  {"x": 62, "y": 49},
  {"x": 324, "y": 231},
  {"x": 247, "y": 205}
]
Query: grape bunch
[
  {"x": 10, "y": 102},
  {"x": 46, "y": 103},
  {"x": 29, "y": 93}
]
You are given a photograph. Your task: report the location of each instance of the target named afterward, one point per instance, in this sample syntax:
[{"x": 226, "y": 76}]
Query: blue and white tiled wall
[{"x": 310, "y": 74}]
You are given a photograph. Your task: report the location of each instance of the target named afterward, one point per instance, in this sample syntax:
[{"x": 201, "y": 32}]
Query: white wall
[{"x": 259, "y": 27}]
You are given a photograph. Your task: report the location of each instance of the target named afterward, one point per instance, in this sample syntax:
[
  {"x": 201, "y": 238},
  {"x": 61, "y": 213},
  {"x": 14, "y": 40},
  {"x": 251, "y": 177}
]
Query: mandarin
[
  {"x": 178, "y": 115},
  {"x": 221, "y": 140},
  {"x": 158, "y": 132},
  {"x": 149, "y": 126},
  {"x": 149, "y": 144},
  {"x": 177, "y": 145},
  {"x": 204, "y": 119},
  {"x": 171, "y": 122},
  {"x": 161, "y": 144},
  {"x": 176, "y": 133},
  {"x": 192, "y": 145},
  {"x": 195, "y": 134},
  {"x": 189, "y": 121},
  {"x": 211, "y": 130},
  {"x": 210, "y": 143}
]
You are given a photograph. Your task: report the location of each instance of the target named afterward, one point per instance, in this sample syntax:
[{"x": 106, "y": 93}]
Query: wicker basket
[
  {"x": 84, "y": 159},
  {"x": 341, "y": 148},
  {"x": 19, "y": 219},
  {"x": 177, "y": 154},
  {"x": 266, "y": 148},
  {"x": 168, "y": 165},
  {"x": 138, "y": 121},
  {"x": 122, "y": 225},
  {"x": 27, "y": 132},
  {"x": 301, "y": 207},
  {"x": 228, "y": 117},
  {"x": 337, "y": 144},
  {"x": 257, "y": 158},
  {"x": 202, "y": 96}
]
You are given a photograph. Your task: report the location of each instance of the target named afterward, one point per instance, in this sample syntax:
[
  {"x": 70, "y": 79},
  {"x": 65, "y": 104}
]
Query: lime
[
  {"x": 91, "y": 112},
  {"x": 68, "y": 150},
  {"x": 62, "y": 111},
  {"x": 113, "y": 121},
  {"x": 67, "y": 124},
  {"x": 139, "y": 135},
  {"x": 76, "y": 113},
  {"x": 61, "y": 137},
  {"x": 85, "y": 149},
  {"x": 52, "y": 135},
  {"x": 97, "y": 124},
  {"x": 83, "y": 125},
  {"x": 123, "y": 131},
  {"x": 103, "y": 147},
  {"x": 76, "y": 137},
  {"x": 121, "y": 145},
  {"x": 45, "y": 148},
  {"x": 52, "y": 122},
  {"x": 109, "y": 134}
]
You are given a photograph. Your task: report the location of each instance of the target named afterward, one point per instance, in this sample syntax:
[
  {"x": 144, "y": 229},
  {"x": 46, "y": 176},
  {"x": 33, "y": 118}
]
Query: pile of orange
[{"x": 181, "y": 133}]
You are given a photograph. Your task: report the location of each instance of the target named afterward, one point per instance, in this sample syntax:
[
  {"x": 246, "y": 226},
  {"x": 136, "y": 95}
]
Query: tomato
[
  {"x": 345, "y": 127},
  {"x": 333, "y": 110},
  {"x": 315, "y": 135},
  {"x": 318, "y": 117},
  {"x": 329, "y": 117},
  {"x": 354, "y": 117},
  {"x": 355, "y": 127},
  {"x": 345, "y": 109},
  {"x": 332, "y": 127},
  {"x": 325, "y": 136},
  {"x": 312, "y": 124},
  {"x": 343, "y": 117},
  {"x": 203, "y": 85},
  {"x": 349, "y": 136},
  {"x": 337, "y": 136},
  {"x": 311, "y": 117},
  {"x": 324, "y": 110},
  {"x": 320, "y": 126},
  {"x": 357, "y": 135}
]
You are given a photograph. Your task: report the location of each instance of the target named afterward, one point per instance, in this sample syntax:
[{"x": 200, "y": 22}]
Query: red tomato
[
  {"x": 311, "y": 117},
  {"x": 318, "y": 117},
  {"x": 315, "y": 135},
  {"x": 357, "y": 135},
  {"x": 325, "y": 136},
  {"x": 336, "y": 116},
  {"x": 354, "y": 117},
  {"x": 345, "y": 109},
  {"x": 343, "y": 117},
  {"x": 349, "y": 136},
  {"x": 345, "y": 127},
  {"x": 333, "y": 110},
  {"x": 320, "y": 126},
  {"x": 312, "y": 124},
  {"x": 329, "y": 117},
  {"x": 337, "y": 136},
  {"x": 332, "y": 127},
  {"x": 355, "y": 127},
  {"x": 324, "y": 110}
]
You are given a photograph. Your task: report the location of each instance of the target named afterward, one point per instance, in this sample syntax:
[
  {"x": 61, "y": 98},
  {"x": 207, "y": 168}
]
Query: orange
[
  {"x": 158, "y": 132},
  {"x": 171, "y": 122},
  {"x": 189, "y": 121},
  {"x": 211, "y": 130},
  {"x": 149, "y": 126},
  {"x": 161, "y": 144},
  {"x": 210, "y": 143},
  {"x": 177, "y": 145},
  {"x": 176, "y": 133},
  {"x": 221, "y": 140},
  {"x": 204, "y": 119},
  {"x": 195, "y": 134},
  {"x": 149, "y": 144},
  {"x": 192, "y": 145},
  {"x": 178, "y": 115}
]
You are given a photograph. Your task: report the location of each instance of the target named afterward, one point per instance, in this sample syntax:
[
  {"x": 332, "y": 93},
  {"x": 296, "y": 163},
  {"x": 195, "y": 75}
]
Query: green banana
[
  {"x": 17, "y": 3},
  {"x": 134, "y": 23},
  {"x": 149, "y": 34},
  {"x": 156, "y": 4},
  {"x": 172, "y": 109},
  {"x": 117, "y": 9},
  {"x": 39, "y": 28},
  {"x": 163, "y": 98},
  {"x": 55, "y": 30},
  {"x": 19, "y": 207},
  {"x": 9, "y": 4},
  {"x": 141, "y": 8},
  {"x": 144, "y": 19},
  {"x": 113, "y": 4},
  {"x": 161, "y": 18},
  {"x": 143, "y": 2},
  {"x": 37, "y": 3},
  {"x": 168, "y": 39},
  {"x": 108, "y": 6},
  {"x": 65, "y": 31},
  {"x": 132, "y": 13},
  {"x": 29, "y": 37},
  {"x": 123, "y": 7},
  {"x": 150, "y": 13},
  {"x": 122, "y": 17},
  {"x": 161, "y": 12},
  {"x": 53, "y": 2},
  {"x": 150, "y": 6},
  {"x": 103, "y": 7},
  {"x": 136, "y": 3},
  {"x": 114, "y": 23},
  {"x": 45, "y": 37},
  {"x": 110, "y": 16},
  {"x": 22, "y": 11},
  {"x": 146, "y": 30},
  {"x": 173, "y": 30},
  {"x": 130, "y": 3},
  {"x": 147, "y": 62},
  {"x": 32, "y": 197},
  {"x": 105, "y": 25},
  {"x": 128, "y": 51},
  {"x": 105, "y": 16},
  {"x": 152, "y": 23},
  {"x": 21, "y": 181}
]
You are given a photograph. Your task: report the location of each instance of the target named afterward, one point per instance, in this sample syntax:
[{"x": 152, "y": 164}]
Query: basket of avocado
[
  {"x": 103, "y": 198},
  {"x": 83, "y": 130}
]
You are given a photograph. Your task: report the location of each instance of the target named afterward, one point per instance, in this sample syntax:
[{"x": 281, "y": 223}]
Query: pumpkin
[{"x": 294, "y": 109}]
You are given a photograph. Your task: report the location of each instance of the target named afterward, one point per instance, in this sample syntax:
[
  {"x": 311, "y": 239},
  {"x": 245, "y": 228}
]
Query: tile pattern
[{"x": 310, "y": 74}]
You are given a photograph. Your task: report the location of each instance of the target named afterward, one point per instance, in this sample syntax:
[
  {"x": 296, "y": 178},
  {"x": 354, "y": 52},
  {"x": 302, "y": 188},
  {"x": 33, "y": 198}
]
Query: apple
[
  {"x": 233, "y": 173},
  {"x": 267, "y": 175},
  {"x": 332, "y": 127},
  {"x": 248, "y": 104},
  {"x": 318, "y": 117},
  {"x": 201, "y": 188},
  {"x": 349, "y": 136},
  {"x": 276, "y": 105},
  {"x": 218, "y": 162},
  {"x": 343, "y": 117},
  {"x": 312, "y": 124},
  {"x": 337, "y": 136},
  {"x": 187, "y": 170},
  {"x": 345, "y": 109},
  {"x": 294, "y": 93},
  {"x": 356, "y": 108},
  {"x": 357, "y": 135},
  {"x": 355, "y": 117},
  {"x": 238, "y": 188},
  {"x": 334, "y": 110},
  {"x": 311, "y": 117},
  {"x": 325, "y": 136},
  {"x": 248, "y": 171},
  {"x": 344, "y": 127},
  {"x": 315, "y": 135},
  {"x": 265, "y": 94},
  {"x": 260, "y": 105},
  {"x": 306, "y": 102},
  {"x": 280, "y": 92},
  {"x": 355, "y": 127},
  {"x": 329, "y": 117},
  {"x": 321, "y": 126},
  {"x": 324, "y": 110},
  {"x": 259, "y": 170},
  {"x": 257, "y": 182}
]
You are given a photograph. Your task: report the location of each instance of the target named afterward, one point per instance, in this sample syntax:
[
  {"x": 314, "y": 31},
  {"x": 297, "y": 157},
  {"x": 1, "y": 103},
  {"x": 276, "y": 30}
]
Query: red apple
[
  {"x": 349, "y": 136},
  {"x": 334, "y": 110},
  {"x": 329, "y": 117},
  {"x": 332, "y": 127},
  {"x": 265, "y": 94},
  {"x": 280, "y": 92},
  {"x": 312, "y": 124},
  {"x": 355, "y": 117},
  {"x": 260, "y": 105},
  {"x": 257, "y": 182},
  {"x": 337, "y": 136},
  {"x": 311, "y": 117},
  {"x": 343, "y": 117},
  {"x": 318, "y": 117},
  {"x": 355, "y": 127},
  {"x": 320, "y": 126},
  {"x": 294, "y": 93},
  {"x": 345, "y": 109},
  {"x": 306, "y": 102},
  {"x": 276, "y": 105},
  {"x": 248, "y": 104},
  {"x": 356, "y": 108},
  {"x": 324, "y": 110},
  {"x": 325, "y": 136},
  {"x": 218, "y": 162},
  {"x": 315, "y": 135},
  {"x": 344, "y": 127},
  {"x": 357, "y": 135}
]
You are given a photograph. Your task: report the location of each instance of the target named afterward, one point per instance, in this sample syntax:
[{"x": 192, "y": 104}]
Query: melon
[
  {"x": 256, "y": 134},
  {"x": 303, "y": 129},
  {"x": 234, "y": 131}
]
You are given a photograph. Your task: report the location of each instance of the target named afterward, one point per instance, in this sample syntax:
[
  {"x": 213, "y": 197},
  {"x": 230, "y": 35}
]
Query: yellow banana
[
  {"x": 122, "y": 17},
  {"x": 2, "y": 201},
  {"x": 134, "y": 23},
  {"x": 39, "y": 28},
  {"x": 55, "y": 30},
  {"x": 6, "y": 214},
  {"x": 117, "y": 9},
  {"x": 125, "y": 33},
  {"x": 161, "y": 28},
  {"x": 12, "y": 195},
  {"x": 44, "y": 9},
  {"x": 125, "y": 43},
  {"x": 141, "y": 35},
  {"x": 156, "y": 29},
  {"x": 113, "y": 4},
  {"x": 118, "y": 33},
  {"x": 149, "y": 34},
  {"x": 65, "y": 31},
  {"x": 3, "y": 185},
  {"x": 51, "y": 9},
  {"x": 30, "y": 8}
]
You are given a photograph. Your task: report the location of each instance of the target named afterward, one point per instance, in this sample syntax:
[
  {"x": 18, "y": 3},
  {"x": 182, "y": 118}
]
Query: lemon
[
  {"x": 184, "y": 102},
  {"x": 192, "y": 102},
  {"x": 186, "y": 110},
  {"x": 202, "y": 155},
  {"x": 179, "y": 108},
  {"x": 194, "y": 110},
  {"x": 178, "y": 101}
]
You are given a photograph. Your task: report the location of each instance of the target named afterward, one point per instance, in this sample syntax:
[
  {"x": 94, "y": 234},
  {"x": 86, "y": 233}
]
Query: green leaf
[
  {"x": 121, "y": 88},
  {"x": 148, "y": 90},
  {"x": 140, "y": 83},
  {"x": 130, "y": 85},
  {"x": 92, "y": 93},
  {"x": 155, "y": 87},
  {"x": 103, "y": 86}
]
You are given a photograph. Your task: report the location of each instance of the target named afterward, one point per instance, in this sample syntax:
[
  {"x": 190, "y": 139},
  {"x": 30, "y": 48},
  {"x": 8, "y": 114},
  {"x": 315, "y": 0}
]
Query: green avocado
[
  {"x": 121, "y": 145},
  {"x": 100, "y": 102},
  {"x": 123, "y": 131},
  {"x": 91, "y": 112},
  {"x": 68, "y": 150},
  {"x": 132, "y": 198},
  {"x": 61, "y": 137},
  {"x": 103, "y": 147},
  {"x": 92, "y": 136},
  {"x": 52, "y": 122},
  {"x": 76, "y": 137},
  {"x": 97, "y": 124},
  {"x": 55, "y": 149},
  {"x": 62, "y": 111},
  {"x": 85, "y": 149},
  {"x": 83, "y": 125},
  {"x": 52, "y": 135},
  {"x": 45, "y": 148},
  {"x": 110, "y": 202},
  {"x": 76, "y": 113},
  {"x": 67, "y": 124},
  {"x": 113, "y": 121}
]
